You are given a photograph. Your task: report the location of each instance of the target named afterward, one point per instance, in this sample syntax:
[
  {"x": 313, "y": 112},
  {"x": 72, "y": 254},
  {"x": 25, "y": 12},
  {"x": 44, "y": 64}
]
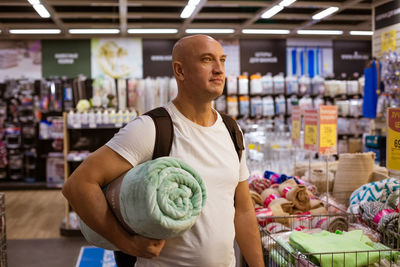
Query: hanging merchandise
[
  {"x": 343, "y": 107},
  {"x": 318, "y": 85},
  {"x": 372, "y": 84},
  {"x": 231, "y": 85},
  {"x": 15, "y": 164},
  {"x": 12, "y": 136},
  {"x": 233, "y": 107},
  {"x": 290, "y": 102},
  {"x": 163, "y": 85},
  {"x": 140, "y": 97},
  {"x": 255, "y": 84},
  {"x": 342, "y": 88},
  {"x": 256, "y": 106},
  {"x": 279, "y": 83},
  {"x": 306, "y": 103},
  {"x": 55, "y": 103},
  {"x": 244, "y": 108},
  {"x": 356, "y": 107},
  {"x": 30, "y": 165},
  {"x": 55, "y": 169},
  {"x": 280, "y": 105},
  {"x": 292, "y": 85},
  {"x": 331, "y": 88},
  {"x": 305, "y": 85},
  {"x": 149, "y": 89},
  {"x": 268, "y": 106},
  {"x": 68, "y": 98},
  {"x": 267, "y": 83},
  {"x": 318, "y": 101},
  {"x": 28, "y": 136},
  {"x": 121, "y": 89},
  {"x": 132, "y": 94},
  {"x": 220, "y": 104},
  {"x": 173, "y": 89},
  {"x": 243, "y": 84},
  {"x": 353, "y": 87}
]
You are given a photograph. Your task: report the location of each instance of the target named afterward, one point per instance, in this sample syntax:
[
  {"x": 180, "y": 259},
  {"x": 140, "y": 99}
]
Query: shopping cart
[
  {"x": 278, "y": 253},
  {"x": 3, "y": 239}
]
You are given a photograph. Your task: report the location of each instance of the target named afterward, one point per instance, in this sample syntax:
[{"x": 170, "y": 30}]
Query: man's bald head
[{"x": 186, "y": 46}]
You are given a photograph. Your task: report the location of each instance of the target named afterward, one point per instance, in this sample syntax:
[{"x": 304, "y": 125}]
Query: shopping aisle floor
[{"x": 33, "y": 220}]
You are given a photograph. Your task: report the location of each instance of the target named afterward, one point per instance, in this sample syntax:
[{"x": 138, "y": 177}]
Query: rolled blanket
[
  {"x": 291, "y": 183},
  {"x": 259, "y": 185},
  {"x": 315, "y": 204},
  {"x": 276, "y": 207},
  {"x": 275, "y": 227},
  {"x": 300, "y": 198},
  {"x": 256, "y": 198},
  {"x": 267, "y": 192},
  {"x": 330, "y": 224},
  {"x": 377, "y": 214},
  {"x": 159, "y": 199},
  {"x": 276, "y": 178},
  {"x": 319, "y": 211}
]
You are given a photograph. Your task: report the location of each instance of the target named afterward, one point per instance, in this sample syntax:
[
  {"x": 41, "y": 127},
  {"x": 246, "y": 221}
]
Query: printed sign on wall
[
  {"x": 387, "y": 14},
  {"x": 66, "y": 58},
  {"x": 393, "y": 139},
  {"x": 327, "y": 130},
  {"x": 117, "y": 58},
  {"x": 388, "y": 41},
  {"x": 263, "y": 56},
  {"x": 157, "y": 58},
  {"x": 350, "y": 57},
  {"x": 20, "y": 59}
]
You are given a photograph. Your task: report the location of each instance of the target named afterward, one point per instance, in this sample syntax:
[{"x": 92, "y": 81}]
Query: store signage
[
  {"x": 388, "y": 41},
  {"x": 263, "y": 56},
  {"x": 310, "y": 130},
  {"x": 296, "y": 122},
  {"x": 387, "y": 14},
  {"x": 350, "y": 57},
  {"x": 90, "y": 256},
  {"x": 327, "y": 130},
  {"x": 67, "y": 58},
  {"x": 393, "y": 139},
  {"x": 157, "y": 57}
]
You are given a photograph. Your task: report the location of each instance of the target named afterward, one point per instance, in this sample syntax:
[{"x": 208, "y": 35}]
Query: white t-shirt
[{"x": 211, "y": 152}]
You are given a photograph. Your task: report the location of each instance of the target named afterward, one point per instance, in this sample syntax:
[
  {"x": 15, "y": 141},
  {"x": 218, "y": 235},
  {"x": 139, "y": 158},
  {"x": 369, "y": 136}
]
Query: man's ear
[{"x": 178, "y": 70}]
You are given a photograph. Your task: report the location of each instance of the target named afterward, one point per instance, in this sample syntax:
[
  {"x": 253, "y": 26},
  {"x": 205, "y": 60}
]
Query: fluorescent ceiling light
[
  {"x": 93, "y": 31},
  {"x": 35, "y": 31},
  {"x": 34, "y": 2},
  {"x": 271, "y": 12},
  {"x": 325, "y": 13},
  {"x": 152, "y": 30},
  {"x": 361, "y": 32},
  {"x": 42, "y": 11},
  {"x": 320, "y": 32},
  {"x": 187, "y": 11},
  {"x": 193, "y": 2},
  {"x": 287, "y": 2},
  {"x": 210, "y": 30},
  {"x": 265, "y": 31}
]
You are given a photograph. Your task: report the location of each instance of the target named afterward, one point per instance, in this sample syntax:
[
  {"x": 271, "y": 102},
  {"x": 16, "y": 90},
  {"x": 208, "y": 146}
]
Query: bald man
[{"x": 202, "y": 140}]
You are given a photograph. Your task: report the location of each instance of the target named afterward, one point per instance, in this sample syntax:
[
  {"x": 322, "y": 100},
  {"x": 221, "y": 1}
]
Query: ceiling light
[
  {"x": 34, "y": 2},
  {"x": 193, "y": 2},
  {"x": 42, "y": 11},
  {"x": 271, "y": 12},
  {"x": 187, "y": 11},
  {"x": 265, "y": 31},
  {"x": 325, "y": 13},
  {"x": 93, "y": 31},
  {"x": 210, "y": 30},
  {"x": 155, "y": 31},
  {"x": 361, "y": 32},
  {"x": 35, "y": 31},
  {"x": 320, "y": 32},
  {"x": 287, "y": 2}
]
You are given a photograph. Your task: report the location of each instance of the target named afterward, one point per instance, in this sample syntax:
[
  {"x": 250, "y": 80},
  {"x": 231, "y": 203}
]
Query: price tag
[
  {"x": 310, "y": 130},
  {"x": 327, "y": 129},
  {"x": 252, "y": 146},
  {"x": 393, "y": 139},
  {"x": 296, "y": 118}
]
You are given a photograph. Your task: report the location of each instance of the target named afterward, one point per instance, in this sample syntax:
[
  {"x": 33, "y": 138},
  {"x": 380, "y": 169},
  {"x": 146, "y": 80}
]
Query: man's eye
[
  {"x": 223, "y": 60},
  {"x": 206, "y": 59}
]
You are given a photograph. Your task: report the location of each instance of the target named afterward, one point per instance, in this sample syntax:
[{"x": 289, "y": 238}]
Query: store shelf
[
  {"x": 97, "y": 127},
  {"x": 20, "y": 185},
  {"x": 69, "y": 232}
]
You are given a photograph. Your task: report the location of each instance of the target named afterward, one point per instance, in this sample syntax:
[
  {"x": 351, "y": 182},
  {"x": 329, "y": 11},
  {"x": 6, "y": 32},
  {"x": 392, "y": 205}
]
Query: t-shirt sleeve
[
  {"x": 135, "y": 142},
  {"x": 243, "y": 170}
]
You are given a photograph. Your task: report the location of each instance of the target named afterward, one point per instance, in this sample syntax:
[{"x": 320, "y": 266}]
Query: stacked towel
[{"x": 158, "y": 199}]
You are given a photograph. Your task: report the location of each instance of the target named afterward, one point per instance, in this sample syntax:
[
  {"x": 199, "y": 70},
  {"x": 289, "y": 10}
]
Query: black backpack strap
[
  {"x": 164, "y": 131},
  {"x": 235, "y": 133}
]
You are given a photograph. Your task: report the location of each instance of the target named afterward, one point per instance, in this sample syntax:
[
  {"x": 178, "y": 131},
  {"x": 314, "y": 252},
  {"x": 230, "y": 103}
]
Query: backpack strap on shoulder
[
  {"x": 164, "y": 131},
  {"x": 235, "y": 133}
]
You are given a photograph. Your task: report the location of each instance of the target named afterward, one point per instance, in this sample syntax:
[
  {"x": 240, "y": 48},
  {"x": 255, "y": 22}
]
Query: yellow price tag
[
  {"x": 328, "y": 135},
  {"x": 310, "y": 135},
  {"x": 252, "y": 146},
  {"x": 295, "y": 129},
  {"x": 393, "y": 139},
  {"x": 388, "y": 41}
]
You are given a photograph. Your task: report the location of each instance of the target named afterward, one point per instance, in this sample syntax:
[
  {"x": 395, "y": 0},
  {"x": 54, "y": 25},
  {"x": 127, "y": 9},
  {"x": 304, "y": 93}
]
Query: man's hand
[{"x": 145, "y": 247}]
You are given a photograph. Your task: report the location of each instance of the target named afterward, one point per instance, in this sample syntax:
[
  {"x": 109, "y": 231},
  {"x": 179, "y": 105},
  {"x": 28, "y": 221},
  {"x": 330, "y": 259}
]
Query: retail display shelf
[
  {"x": 20, "y": 185},
  {"x": 96, "y": 127},
  {"x": 70, "y": 231}
]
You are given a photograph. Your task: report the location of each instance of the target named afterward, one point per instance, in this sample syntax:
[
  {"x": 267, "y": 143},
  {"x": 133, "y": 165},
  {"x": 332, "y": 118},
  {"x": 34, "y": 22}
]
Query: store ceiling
[{"x": 237, "y": 15}]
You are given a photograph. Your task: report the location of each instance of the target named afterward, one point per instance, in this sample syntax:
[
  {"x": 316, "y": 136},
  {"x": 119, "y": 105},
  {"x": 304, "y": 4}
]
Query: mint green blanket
[
  {"x": 159, "y": 199},
  {"x": 329, "y": 243}
]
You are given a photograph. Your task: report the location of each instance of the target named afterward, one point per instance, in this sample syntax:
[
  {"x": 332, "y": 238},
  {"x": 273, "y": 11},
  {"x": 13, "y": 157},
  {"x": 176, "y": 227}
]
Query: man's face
[{"x": 204, "y": 69}]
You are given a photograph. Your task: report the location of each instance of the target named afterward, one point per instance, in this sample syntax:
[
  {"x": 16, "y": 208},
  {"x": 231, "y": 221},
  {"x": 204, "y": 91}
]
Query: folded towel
[
  {"x": 259, "y": 185},
  {"x": 159, "y": 199},
  {"x": 256, "y": 198},
  {"x": 300, "y": 198},
  {"x": 267, "y": 192}
]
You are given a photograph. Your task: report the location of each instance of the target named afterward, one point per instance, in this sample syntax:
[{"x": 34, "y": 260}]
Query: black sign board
[
  {"x": 350, "y": 57},
  {"x": 157, "y": 58},
  {"x": 387, "y": 14},
  {"x": 263, "y": 56}
]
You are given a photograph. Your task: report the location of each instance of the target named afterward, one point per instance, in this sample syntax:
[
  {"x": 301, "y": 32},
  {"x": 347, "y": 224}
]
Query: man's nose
[{"x": 218, "y": 67}]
